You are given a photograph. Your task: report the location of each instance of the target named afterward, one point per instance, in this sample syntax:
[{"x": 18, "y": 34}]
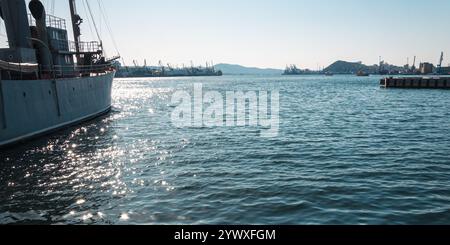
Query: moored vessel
[
  {"x": 166, "y": 71},
  {"x": 46, "y": 81},
  {"x": 362, "y": 74}
]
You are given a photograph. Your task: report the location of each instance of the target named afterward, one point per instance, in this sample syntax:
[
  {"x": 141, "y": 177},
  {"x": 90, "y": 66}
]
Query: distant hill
[
  {"x": 229, "y": 69},
  {"x": 338, "y": 67},
  {"x": 344, "y": 67}
]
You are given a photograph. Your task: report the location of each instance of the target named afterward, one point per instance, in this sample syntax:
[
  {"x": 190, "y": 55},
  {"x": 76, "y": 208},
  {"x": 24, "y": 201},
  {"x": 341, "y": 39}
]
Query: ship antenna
[{"x": 93, "y": 22}]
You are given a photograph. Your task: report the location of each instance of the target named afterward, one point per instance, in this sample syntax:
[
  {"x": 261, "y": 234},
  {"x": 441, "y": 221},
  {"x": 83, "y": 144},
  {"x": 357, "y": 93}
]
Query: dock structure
[{"x": 416, "y": 82}]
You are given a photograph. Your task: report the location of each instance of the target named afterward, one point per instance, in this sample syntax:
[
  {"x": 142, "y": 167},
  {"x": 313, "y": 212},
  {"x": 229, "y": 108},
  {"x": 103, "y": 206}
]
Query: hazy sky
[{"x": 272, "y": 33}]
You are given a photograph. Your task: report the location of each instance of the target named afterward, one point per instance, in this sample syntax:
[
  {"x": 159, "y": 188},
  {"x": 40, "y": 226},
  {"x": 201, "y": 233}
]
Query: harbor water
[{"x": 347, "y": 152}]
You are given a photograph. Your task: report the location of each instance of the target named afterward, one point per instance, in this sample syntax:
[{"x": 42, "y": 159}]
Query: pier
[{"x": 416, "y": 82}]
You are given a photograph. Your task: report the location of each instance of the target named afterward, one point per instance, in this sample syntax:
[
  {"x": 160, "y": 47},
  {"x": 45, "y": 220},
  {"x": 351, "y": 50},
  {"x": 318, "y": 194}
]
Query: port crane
[
  {"x": 440, "y": 63},
  {"x": 413, "y": 67},
  {"x": 163, "y": 69}
]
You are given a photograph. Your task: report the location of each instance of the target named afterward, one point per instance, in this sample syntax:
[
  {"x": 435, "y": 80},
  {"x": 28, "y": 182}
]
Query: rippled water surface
[{"x": 347, "y": 152}]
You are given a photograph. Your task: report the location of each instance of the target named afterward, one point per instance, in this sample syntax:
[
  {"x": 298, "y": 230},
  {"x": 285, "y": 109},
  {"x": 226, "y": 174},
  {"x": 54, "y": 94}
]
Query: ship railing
[
  {"x": 67, "y": 71},
  {"x": 86, "y": 47},
  {"x": 51, "y": 21},
  {"x": 18, "y": 67}
]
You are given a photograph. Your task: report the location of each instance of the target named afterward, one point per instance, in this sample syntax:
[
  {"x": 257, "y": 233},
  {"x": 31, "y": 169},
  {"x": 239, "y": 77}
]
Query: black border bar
[{"x": 249, "y": 234}]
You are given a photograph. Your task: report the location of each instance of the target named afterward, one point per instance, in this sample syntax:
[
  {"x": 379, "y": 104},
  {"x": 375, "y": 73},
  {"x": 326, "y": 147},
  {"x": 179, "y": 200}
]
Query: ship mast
[{"x": 76, "y": 22}]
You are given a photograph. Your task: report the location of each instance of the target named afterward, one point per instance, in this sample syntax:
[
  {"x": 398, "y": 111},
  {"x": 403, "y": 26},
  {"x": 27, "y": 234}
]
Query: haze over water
[{"x": 348, "y": 152}]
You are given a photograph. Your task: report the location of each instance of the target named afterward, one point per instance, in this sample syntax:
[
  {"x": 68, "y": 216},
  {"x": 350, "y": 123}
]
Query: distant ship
[
  {"x": 46, "y": 81},
  {"x": 362, "y": 74},
  {"x": 294, "y": 70},
  {"x": 166, "y": 71}
]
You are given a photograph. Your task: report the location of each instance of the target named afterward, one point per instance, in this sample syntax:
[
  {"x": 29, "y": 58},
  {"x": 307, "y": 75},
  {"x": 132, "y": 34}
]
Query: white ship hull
[{"x": 31, "y": 108}]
